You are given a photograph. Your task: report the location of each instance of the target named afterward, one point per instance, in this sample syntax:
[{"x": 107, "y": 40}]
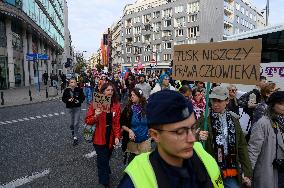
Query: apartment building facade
[
  {"x": 34, "y": 27},
  {"x": 150, "y": 30}
]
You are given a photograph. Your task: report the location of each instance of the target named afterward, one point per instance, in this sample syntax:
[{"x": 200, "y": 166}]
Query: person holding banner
[
  {"x": 107, "y": 132},
  {"x": 225, "y": 141}
]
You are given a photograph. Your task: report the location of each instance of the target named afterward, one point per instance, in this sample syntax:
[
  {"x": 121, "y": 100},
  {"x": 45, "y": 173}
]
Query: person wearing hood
[{"x": 164, "y": 84}]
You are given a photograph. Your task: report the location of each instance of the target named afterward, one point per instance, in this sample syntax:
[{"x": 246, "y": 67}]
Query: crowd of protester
[{"x": 250, "y": 155}]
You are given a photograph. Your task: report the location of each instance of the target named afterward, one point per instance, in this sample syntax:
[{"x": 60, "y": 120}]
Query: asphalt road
[{"x": 36, "y": 149}]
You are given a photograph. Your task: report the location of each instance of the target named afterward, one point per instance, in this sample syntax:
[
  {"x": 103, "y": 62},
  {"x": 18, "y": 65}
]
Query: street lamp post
[{"x": 267, "y": 12}]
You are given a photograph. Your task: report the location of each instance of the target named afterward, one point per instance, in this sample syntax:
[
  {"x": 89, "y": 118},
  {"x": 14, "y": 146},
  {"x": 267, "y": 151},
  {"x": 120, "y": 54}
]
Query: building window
[
  {"x": 128, "y": 31},
  {"x": 157, "y": 47},
  {"x": 193, "y": 32},
  {"x": 167, "y": 57},
  {"x": 179, "y": 42},
  {"x": 137, "y": 30},
  {"x": 167, "y": 12},
  {"x": 128, "y": 50},
  {"x": 128, "y": 23},
  {"x": 179, "y": 32},
  {"x": 243, "y": 10},
  {"x": 147, "y": 58},
  {"x": 168, "y": 45},
  {"x": 137, "y": 39},
  {"x": 156, "y": 14},
  {"x": 192, "y": 18},
  {"x": 129, "y": 59},
  {"x": 180, "y": 22},
  {"x": 137, "y": 50},
  {"x": 146, "y": 18},
  {"x": 237, "y": 31},
  {"x": 179, "y": 9},
  {"x": 254, "y": 18},
  {"x": 157, "y": 26},
  {"x": 238, "y": 19},
  {"x": 193, "y": 7},
  {"x": 238, "y": 6},
  {"x": 137, "y": 19},
  {"x": 168, "y": 23},
  {"x": 247, "y": 13}
]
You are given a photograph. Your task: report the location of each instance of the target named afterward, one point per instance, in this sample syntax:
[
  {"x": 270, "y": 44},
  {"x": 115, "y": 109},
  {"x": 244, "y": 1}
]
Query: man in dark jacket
[
  {"x": 73, "y": 96},
  {"x": 225, "y": 141}
]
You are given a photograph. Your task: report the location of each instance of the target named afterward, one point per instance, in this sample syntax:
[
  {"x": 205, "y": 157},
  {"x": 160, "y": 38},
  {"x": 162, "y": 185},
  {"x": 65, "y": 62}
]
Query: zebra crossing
[{"x": 31, "y": 118}]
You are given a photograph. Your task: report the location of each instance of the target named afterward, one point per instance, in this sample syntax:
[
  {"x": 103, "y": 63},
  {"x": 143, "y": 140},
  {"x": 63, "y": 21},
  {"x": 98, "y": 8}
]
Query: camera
[{"x": 278, "y": 164}]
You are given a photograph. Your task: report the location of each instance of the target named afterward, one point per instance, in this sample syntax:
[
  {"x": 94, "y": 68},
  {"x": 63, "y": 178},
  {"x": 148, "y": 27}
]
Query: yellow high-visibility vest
[{"x": 142, "y": 173}]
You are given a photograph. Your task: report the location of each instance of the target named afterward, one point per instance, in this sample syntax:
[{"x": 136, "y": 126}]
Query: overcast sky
[{"x": 88, "y": 19}]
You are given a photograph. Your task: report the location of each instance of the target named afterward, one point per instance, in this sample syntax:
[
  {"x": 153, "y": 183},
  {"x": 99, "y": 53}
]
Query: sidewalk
[{"x": 20, "y": 96}]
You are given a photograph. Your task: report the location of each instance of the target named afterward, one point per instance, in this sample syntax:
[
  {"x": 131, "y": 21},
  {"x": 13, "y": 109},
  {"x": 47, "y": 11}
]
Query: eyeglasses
[
  {"x": 233, "y": 90},
  {"x": 183, "y": 132}
]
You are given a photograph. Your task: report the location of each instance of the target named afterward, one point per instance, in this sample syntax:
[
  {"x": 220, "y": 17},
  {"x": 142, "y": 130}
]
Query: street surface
[{"x": 36, "y": 149}]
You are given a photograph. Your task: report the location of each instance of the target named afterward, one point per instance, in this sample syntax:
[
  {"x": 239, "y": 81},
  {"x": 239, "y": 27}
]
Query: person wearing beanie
[
  {"x": 144, "y": 86},
  {"x": 225, "y": 141},
  {"x": 178, "y": 160},
  {"x": 163, "y": 84},
  {"x": 266, "y": 145}
]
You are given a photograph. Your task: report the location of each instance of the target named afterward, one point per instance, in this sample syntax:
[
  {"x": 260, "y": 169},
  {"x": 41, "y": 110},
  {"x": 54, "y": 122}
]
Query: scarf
[
  {"x": 279, "y": 119},
  {"x": 198, "y": 107},
  {"x": 224, "y": 140}
]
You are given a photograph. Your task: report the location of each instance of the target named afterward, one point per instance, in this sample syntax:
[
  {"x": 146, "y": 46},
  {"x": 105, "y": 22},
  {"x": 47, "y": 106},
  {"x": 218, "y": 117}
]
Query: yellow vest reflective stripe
[
  {"x": 142, "y": 174},
  {"x": 210, "y": 165}
]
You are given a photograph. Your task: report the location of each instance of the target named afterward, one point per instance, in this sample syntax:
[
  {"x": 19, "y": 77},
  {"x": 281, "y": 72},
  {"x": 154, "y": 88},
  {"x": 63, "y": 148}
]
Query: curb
[{"x": 29, "y": 102}]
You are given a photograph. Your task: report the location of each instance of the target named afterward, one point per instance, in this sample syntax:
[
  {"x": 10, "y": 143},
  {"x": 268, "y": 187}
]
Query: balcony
[
  {"x": 167, "y": 38},
  {"x": 228, "y": 8}
]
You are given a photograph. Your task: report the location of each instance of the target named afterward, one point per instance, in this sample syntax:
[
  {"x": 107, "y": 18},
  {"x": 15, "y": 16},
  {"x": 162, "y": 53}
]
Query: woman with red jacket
[{"x": 107, "y": 132}]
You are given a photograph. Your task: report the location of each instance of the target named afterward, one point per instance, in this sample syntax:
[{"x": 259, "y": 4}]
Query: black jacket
[{"x": 77, "y": 94}]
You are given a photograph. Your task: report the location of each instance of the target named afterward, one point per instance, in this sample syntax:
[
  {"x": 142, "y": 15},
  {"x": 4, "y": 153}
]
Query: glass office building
[{"x": 29, "y": 26}]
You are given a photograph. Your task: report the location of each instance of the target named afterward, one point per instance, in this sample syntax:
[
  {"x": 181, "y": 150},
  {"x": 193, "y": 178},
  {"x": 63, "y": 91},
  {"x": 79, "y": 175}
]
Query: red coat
[{"x": 100, "y": 132}]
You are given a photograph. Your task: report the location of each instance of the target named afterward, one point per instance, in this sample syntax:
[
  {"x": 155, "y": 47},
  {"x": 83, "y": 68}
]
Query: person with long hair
[
  {"x": 107, "y": 132},
  {"x": 198, "y": 102},
  {"x": 134, "y": 123}
]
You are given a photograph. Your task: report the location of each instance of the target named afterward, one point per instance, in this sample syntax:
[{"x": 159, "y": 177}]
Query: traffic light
[
  {"x": 68, "y": 63},
  {"x": 105, "y": 39}
]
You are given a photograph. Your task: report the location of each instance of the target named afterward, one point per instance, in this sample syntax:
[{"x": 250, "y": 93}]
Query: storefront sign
[{"x": 220, "y": 62}]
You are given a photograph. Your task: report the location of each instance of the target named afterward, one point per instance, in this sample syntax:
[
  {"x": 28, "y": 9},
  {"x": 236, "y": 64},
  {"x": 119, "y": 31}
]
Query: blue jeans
[
  {"x": 231, "y": 182},
  {"x": 88, "y": 91}
]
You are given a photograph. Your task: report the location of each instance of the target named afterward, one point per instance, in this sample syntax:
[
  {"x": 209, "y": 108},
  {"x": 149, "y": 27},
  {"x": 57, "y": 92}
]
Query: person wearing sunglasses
[
  {"x": 178, "y": 160},
  {"x": 225, "y": 140}
]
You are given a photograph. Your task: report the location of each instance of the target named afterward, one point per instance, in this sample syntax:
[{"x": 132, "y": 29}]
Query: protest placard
[
  {"x": 221, "y": 62},
  {"x": 102, "y": 102}
]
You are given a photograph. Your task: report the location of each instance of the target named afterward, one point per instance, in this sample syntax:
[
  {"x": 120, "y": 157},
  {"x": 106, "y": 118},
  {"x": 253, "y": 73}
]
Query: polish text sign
[
  {"x": 235, "y": 62},
  {"x": 102, "y": 102}
]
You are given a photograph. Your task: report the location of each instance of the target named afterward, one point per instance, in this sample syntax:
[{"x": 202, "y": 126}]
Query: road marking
[
  {"x": 31, "y": 118},
  {"x": 26, "y": 179},
  {"x": 90, "y": 155}
]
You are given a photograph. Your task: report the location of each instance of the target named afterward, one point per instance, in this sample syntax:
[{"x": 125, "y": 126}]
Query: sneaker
[{"x": 75, "y": 142}]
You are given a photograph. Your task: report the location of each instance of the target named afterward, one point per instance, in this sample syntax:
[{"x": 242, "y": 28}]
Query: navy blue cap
[{"x": 166, "y": 107}]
